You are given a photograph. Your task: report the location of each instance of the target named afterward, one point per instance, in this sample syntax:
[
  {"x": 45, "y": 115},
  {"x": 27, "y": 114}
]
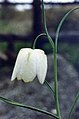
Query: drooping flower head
[{"x": 29, "y": 64}]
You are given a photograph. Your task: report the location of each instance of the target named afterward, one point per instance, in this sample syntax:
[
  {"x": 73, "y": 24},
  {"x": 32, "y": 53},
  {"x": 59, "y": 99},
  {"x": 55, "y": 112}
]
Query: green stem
[
  {"x": 56, "y": 84},
  {"x": 55, "y": 62},
  {"x": 45, "y": 26},
  {"x": 73, "y": 106},
  {"x": 50, "y": 88},
  {"x": 42, "y": 34},
  {"x": 28, "y": 107}
]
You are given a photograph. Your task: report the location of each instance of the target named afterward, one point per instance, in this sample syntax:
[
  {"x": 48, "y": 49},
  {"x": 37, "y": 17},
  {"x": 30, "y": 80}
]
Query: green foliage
[
  {"x": 69, "y": 51},
  {"x": 19, "y": 45},
  {"x": 54, "y": 15},
  {"x": 19, "y": 23},
  {"x": 3, "y": 46}
]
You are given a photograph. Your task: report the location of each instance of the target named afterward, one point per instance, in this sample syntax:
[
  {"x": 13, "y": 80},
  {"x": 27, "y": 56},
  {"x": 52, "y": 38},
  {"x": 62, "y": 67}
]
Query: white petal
[
  {"x": 25, "y": 67},
  {"x": 41, "y": 62}
]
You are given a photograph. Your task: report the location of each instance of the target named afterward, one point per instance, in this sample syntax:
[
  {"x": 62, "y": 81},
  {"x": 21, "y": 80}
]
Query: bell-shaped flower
[{"x": 29, "y": 64}]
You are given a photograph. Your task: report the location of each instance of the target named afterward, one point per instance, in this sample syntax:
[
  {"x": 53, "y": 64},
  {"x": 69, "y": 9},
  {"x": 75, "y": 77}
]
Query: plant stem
[
  {"x": 28, "y": 107},
  {"x": 50, "y": 88},
  {"x": 56, "y": 83},
  {"x": 42, "y": 34},
  {"x": 45, "y": 26}
]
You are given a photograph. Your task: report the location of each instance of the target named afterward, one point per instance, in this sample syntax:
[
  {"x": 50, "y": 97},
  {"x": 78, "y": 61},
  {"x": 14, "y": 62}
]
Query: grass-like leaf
[
  {"x": 73, "y": 106},
  {"x": 61, "y": 23},
  {"x": 50, "y": 88},
  {"x": 28, "y": 107}
]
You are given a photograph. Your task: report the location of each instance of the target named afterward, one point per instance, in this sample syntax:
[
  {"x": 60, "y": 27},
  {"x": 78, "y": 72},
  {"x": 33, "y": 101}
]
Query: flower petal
[
  {"x": 41, "y": 62},
  {"x": 25, "y": 67}
]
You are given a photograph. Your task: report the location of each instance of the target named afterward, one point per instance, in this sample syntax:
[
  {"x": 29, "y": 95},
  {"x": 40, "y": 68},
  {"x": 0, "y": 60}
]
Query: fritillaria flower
[{"x": 29, "y": 64}]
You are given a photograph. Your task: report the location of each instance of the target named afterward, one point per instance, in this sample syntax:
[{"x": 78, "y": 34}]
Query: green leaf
[
  {"x": 28, "y": 107},
  {"x": 50, "y": 88},
  {"x": 73, "y": 106},
  {"x": 61, "y": 23}
]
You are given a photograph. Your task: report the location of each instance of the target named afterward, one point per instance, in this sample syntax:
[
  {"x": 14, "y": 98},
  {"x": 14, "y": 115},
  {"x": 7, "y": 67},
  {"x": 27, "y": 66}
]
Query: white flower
[{"x": 29, "y": 64}]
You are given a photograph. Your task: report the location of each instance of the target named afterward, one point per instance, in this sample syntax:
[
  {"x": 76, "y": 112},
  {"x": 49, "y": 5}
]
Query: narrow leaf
[
  {"x": 62, "y": 21},
  {"x": 73, "y": 106},
  {"x": 28, "y": 107},
  {"x": 50, "y": 88}
]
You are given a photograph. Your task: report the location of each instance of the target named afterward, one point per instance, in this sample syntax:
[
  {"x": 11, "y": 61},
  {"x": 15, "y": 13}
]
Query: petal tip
[{"x": 12, "y": 79}]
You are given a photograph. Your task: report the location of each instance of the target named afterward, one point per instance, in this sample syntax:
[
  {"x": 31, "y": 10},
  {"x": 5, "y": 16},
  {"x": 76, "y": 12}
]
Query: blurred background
[{"x": 20, "y": 23}]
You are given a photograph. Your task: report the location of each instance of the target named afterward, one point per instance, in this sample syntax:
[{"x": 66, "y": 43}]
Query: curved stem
[
  {"x": 42, "y": 34},
  {"x": 45, "y": 27},
  {"x": 61, "y": 23},
  {"x": 73, "y": 106},
  {"x": 28, "y": 107},
  {"x": 56, "y": 84}
]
